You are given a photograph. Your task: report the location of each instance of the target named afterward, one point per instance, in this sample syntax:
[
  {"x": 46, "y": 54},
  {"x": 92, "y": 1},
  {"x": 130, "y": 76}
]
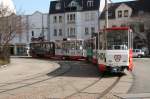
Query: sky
[{"x": 30, "y": 6}]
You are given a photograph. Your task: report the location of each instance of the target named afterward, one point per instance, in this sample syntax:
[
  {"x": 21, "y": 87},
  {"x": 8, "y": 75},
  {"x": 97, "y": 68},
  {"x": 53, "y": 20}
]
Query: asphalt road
[
  {"x": 140, "y": 88},
  {"x": 141, "y": 76}
]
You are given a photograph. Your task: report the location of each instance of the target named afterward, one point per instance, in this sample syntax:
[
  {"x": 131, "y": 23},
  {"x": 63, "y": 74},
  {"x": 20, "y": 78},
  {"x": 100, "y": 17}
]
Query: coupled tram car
[
  {"x": 69, "y": 49},
  {"x": 42, "y": 49},
  {"x": 111, "y": 49},
  {"x": 62, "y": 49},
  {"x": 115, "y": 50}
]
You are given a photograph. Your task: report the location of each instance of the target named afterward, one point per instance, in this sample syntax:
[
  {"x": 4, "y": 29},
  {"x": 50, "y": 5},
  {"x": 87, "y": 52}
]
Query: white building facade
[
  {"x": 34, "y": 27},
  {"x": 73, "y": 19}
]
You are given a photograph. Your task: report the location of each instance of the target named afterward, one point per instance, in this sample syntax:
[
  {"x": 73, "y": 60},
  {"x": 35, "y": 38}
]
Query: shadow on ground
[{"x": 80, "y": 69}]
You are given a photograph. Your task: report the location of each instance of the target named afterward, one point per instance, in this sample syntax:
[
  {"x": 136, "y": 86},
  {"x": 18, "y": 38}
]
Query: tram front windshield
[{"x": 117, "y": 39}]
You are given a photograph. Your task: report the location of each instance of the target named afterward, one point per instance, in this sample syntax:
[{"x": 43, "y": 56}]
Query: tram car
[
  {"x": 42, "y": 49},
  {"x": 115, "y": 49},
  {"x": 69, "y": 49}
]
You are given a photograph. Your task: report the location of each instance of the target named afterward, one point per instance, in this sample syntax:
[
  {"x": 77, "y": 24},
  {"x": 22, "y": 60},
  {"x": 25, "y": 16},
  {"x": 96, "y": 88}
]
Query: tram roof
[{"x": 41, "y": 42}]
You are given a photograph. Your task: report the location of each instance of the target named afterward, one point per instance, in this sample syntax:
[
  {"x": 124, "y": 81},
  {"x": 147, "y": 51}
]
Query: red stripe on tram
[{"x": 131, "y": 60}]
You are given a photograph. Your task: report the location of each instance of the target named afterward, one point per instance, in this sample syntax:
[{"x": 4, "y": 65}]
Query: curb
[{"x": 122, "y": 87}]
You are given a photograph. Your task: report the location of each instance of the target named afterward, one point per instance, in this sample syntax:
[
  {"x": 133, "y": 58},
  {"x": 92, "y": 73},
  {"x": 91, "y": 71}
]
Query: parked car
[
  {"x": 146, "y": 51},
  {"x": 138, "y": 53}
]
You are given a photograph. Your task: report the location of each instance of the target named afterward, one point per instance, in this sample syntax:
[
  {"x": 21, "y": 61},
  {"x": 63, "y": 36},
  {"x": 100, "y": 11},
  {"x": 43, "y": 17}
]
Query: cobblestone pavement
[{"x": 34, "y": 79}]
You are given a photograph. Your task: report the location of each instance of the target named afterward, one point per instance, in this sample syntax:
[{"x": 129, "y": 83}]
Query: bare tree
[{"x": 10, "y": 26}]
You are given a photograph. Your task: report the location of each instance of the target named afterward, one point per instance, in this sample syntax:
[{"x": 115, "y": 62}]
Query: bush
[{"x": 4, "y": 56}]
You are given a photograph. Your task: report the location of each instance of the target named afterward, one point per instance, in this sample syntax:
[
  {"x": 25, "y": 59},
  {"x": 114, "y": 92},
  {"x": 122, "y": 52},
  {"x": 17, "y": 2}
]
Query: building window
[
  {"x": 71, "y": 18},
  {"x": 60, "y": 32},
  {"x": 32, "y": 33},
  {"x": 55, "y": 32},
  {"x": 55, "y": 19},
  {"x": 93, "y": 16},
  {"x": 71, "y": 32},
  {"x": 68, "y": 17},
  {"x": 87, "y": 16},
  {"x": 58, "y": 6},
  {"x": 60, "y": 19},
  {"x": 126, "y": 13},
  {"x": 92, "y": 30},
  {"x": 90, "y": 3},
  {"x": 68, "y": 32},
  {"x": 119, "y": 14},
  {"x": 86, "y": 31}
]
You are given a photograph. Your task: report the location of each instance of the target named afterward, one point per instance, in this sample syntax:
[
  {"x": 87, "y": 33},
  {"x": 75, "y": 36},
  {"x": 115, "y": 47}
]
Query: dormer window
[
  {"x": 90, "y": 3},
  {"x": 119, "y": 14},
  {"x": 58, "y": 6},
  {"x": 73, "y": 4},
  {"x": 126, "y": 13}
]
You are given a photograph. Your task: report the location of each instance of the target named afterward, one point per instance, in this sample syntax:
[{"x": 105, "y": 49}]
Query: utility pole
[
  {"x": 106, "y": 14},
  {"x": 106, "y": 24}
]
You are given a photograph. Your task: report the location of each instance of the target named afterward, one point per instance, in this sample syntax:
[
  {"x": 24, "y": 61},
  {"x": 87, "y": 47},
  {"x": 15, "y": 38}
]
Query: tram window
[
  {"x": 51, "y": 46},
  {"x": 100, "y": 45},
  {"x": 117, "y": 47},
  {"x": 59, "y": 45},
  {"x": 48, "y": 45},
  {"x": 45, "y": 45},
  {"x": 117, "y": 38},
  {"x": 78, "y": 45}
]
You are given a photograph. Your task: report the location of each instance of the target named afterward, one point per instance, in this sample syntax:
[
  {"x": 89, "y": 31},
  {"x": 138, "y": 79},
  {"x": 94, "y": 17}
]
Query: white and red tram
[
  {"x": 69, "y": 49},
  {"x": 115, "y": 49}
]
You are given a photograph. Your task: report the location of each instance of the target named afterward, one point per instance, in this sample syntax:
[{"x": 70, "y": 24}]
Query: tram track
[
  {"x": 66, "y": 68},
  {"x": 105, "y": 92},
  {"x": 80, "y": 91},
  {"x": 59, "y": 72},
  {"x": 98, "y": 95}
]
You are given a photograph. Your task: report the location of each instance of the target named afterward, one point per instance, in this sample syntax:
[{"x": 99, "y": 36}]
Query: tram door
[{"x": 58, "y": 48}]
